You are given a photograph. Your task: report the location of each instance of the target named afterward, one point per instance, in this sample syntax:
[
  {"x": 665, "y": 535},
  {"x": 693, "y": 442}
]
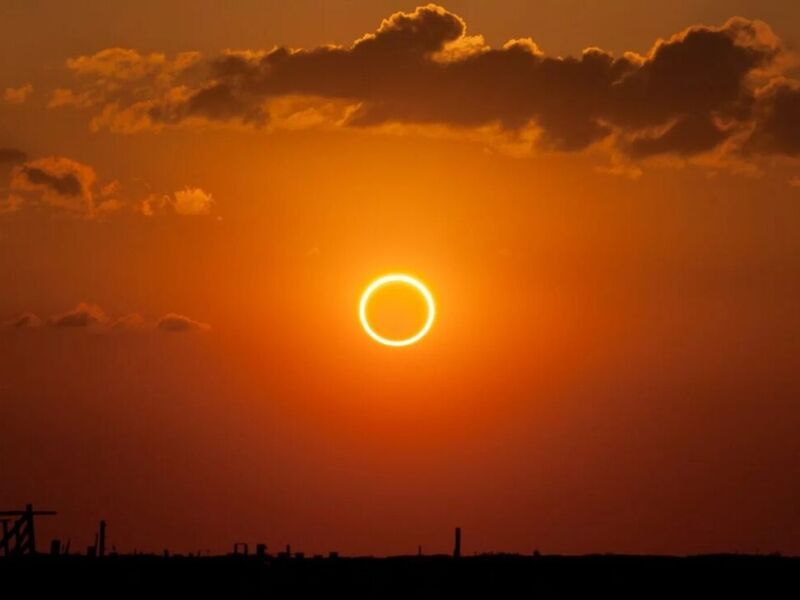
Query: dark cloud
[
  {"x": 688, "y": 95},
  {"x": 90, "y": 317},
  {"x": 58, "y": 182},
  {"x": 777, "y": 128},
  {"x": 689, "y": 135},
  {"x": 698, "y": 73},
  {"x": 83, "y": 315},
  {"x": 67, "y": 184},
  {"x": 175, "y": 323},
  {"x": 395, "y": 77},
  {"x": 11, "y": 156}
]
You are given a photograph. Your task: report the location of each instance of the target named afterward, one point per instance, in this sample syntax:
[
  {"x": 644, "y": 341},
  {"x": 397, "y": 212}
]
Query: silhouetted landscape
[{"x": 241, "y": 574}]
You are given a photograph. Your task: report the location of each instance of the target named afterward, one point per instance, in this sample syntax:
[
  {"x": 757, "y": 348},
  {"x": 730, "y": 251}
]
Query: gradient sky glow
[{"x": 193, "y": 197}]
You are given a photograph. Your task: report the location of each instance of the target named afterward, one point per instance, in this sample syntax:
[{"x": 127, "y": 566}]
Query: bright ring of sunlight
[{"x": 396, "y": 278}]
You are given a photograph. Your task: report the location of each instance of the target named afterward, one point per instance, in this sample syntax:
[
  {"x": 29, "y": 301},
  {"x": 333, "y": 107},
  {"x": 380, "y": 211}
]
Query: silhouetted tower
[
  {"x": 101, "y": 542},
  {"x": 22, "y": 532},
  {"x": 457, "y": 547}
]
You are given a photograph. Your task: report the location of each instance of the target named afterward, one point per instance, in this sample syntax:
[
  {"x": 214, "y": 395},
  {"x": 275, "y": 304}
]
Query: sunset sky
[{"x": 603, "y": 197}]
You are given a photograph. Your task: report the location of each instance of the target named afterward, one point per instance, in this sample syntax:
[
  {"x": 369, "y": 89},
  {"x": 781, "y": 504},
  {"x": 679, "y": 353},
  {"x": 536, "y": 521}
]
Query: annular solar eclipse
[{"x": 394, "y": 278}]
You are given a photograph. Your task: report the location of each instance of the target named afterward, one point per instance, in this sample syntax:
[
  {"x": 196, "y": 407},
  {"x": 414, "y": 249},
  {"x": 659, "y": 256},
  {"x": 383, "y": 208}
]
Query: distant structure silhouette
[
  {"x": 241, "y": 548},
  {"x": 22, "y": 533},
  {"x": 26, "y": 574},
  {"x": 99, "y": 547},
  {"x": 101, "y": 544}
]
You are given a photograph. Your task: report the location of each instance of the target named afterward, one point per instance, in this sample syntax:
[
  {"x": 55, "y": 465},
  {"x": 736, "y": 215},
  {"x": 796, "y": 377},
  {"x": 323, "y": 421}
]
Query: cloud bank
[
  {"x": 90, "y": 317},
  {"x": 706, "y": 89}
]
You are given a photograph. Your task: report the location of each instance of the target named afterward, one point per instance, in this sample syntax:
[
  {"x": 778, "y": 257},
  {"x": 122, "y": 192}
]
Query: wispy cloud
[{"x": 18, "y": 95}]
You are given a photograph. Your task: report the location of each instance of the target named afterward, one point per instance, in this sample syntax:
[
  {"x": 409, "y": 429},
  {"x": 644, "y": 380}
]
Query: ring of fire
[{"x": 396, "y": 278}]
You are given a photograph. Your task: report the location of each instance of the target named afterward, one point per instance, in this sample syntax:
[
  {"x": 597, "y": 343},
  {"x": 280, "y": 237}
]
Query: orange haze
[{"x": 613, "y": 367}]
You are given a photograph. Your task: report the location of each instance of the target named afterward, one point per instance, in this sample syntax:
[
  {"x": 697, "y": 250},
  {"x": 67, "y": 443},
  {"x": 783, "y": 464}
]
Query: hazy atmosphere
[{"x": 602, "y": 197}]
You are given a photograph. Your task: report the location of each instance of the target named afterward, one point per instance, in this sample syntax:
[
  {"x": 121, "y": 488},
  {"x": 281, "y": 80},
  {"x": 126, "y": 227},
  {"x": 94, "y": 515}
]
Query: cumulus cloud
[
  {"x": 705, "y": 88},
  {"x": 175, "y": 323},
  {"x": 86, "y": 316},
  {"x": 192, "y": 201},
  {"x": 65, "y": 184},
  {"x": 83, "y": 315},
  {"x": 18, "y": 95},
  {"x": 58, "y": 182}
]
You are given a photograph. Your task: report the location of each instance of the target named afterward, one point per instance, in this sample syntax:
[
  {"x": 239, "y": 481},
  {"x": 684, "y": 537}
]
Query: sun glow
[{"x": 390, "y": 279}]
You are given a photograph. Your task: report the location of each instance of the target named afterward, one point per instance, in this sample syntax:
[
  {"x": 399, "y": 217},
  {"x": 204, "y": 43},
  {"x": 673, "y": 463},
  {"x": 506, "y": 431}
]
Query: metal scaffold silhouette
[{"x": 20, "y": 537}]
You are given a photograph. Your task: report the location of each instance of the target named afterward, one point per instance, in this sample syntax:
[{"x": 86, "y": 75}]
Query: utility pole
[{"x": 101, "y": 543}]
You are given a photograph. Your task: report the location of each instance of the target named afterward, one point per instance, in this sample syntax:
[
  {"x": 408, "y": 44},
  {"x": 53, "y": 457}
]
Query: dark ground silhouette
[
  {"x": 442, "y": 576},
  {"x": 25, "y": 572}
]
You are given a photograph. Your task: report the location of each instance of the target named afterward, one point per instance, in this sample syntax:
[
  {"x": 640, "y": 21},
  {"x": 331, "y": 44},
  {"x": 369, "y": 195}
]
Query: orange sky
[{"x": 612, "y": 242}]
